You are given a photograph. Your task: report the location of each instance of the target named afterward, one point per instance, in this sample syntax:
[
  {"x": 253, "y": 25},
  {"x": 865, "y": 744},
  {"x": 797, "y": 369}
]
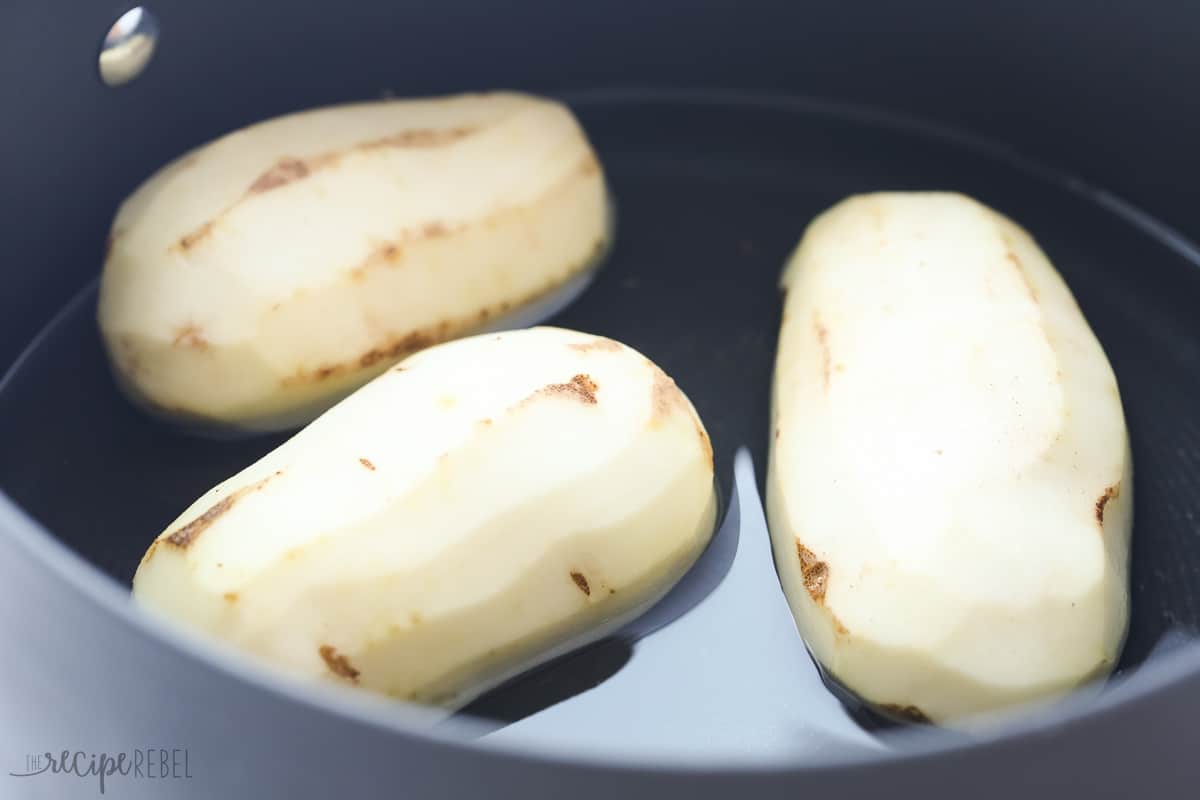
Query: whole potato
[
  {"x": 484, "y": 506},
  {"x": 258, "y": 279},
  {"x": 949, "y": 488}
]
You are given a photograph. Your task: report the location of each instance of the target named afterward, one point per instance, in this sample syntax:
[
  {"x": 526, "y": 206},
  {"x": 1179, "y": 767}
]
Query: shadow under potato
[{"x": 553, "y": 682}]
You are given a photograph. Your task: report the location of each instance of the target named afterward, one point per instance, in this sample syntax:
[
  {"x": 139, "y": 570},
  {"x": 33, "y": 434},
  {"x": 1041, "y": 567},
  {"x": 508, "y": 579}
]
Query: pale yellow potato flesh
[
  {"x": 484, "y": 506},
  {"x": 950, "y": 486},
  {"x": 255, "y": 281}
]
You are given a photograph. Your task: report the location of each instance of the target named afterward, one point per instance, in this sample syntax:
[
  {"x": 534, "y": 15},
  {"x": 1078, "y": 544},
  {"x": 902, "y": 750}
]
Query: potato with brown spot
[
  {"x": 815, "y": 572},
  {"x": 188, "y": 240},
  {"x": 337, "y": 663},
  {"x": 665, "y": 394},
  {"x": 191, "y": 335},
  {"x": 1109, "y": 493},
  {"x": 298, "y": 258},
  {"x": 581, "y": 581},
  {"x": 581, "y": 387},
  {"x": 499, "y": 502},
  {"x": 283, "y": 173},
  {"x": 947, "y": 438},
  {"x": 184, "y": 536}
]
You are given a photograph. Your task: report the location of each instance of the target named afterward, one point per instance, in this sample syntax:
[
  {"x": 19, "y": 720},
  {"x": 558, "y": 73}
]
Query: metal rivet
[{"x": 128, "y": 46}]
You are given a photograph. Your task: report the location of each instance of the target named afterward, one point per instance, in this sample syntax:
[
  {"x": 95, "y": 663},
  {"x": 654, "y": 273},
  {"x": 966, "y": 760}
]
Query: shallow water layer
[{"x": 712, "y": 193}]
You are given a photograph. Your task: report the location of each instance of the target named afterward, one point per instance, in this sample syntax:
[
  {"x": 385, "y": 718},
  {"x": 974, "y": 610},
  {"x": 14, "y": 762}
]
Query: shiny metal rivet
[{"x": 128, "y": 46}]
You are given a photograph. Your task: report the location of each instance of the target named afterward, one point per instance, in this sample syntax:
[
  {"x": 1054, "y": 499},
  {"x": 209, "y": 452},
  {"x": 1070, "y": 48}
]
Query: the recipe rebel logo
[{"x": 152, "y": 763}]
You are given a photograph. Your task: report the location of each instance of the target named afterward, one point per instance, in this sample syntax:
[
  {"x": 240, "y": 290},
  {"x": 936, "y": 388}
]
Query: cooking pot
[{"x": 724, "y": 128}]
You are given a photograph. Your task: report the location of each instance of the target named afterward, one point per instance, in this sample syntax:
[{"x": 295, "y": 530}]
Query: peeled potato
[
  {"x": 258, "y": 279},
  {"x": 949, "y": 488},
  {"x": 484, "y": 506}
]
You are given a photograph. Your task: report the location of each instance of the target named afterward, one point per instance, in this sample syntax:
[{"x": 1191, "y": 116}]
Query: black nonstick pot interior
[{"x": 712, "y": 191}]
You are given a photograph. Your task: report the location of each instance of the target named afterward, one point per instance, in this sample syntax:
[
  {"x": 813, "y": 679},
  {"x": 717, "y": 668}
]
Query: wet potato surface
[{"x": 480, "y": 507}]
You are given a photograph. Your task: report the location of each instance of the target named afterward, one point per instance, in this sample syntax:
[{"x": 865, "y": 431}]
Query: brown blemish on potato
[
  {"x": 705, "y": 444},
  {"x": 409, "y": 343},
  {"x": 184, "y": 537},
  {"x": 582, "y": 582},
  {"x": 485, "y": 421},
  {"x": 108, "y": 244},
  {"x": 366, "y": 462},
  {"x": 414, "y": 618},
  {"x": 285, "y": 171},
  {"x": 598, "y": 343},
  {"x": 1013, "y": 259},
  {"x": 665, "y": 395},
  {"x": 906, "y": 713},
  {"x": 1109, "y": 493},
  {"x": 230, "y": 597},
  {"x": 190, "y": 240},
  {"x": 338, "y": 664},
  {"x": 434, "y": 230},
  {"x": 418, "y": 137},
  {"x": 822, "y": 334},
  {"x": 290, "y": 170},
  {"x": 815, "y": 573},
  {"x": 589, "y": 165},
  {"x": 190, "y": 336},
  {"x": 388, "y": 254},
  {"x": 581, "y": 387}
]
